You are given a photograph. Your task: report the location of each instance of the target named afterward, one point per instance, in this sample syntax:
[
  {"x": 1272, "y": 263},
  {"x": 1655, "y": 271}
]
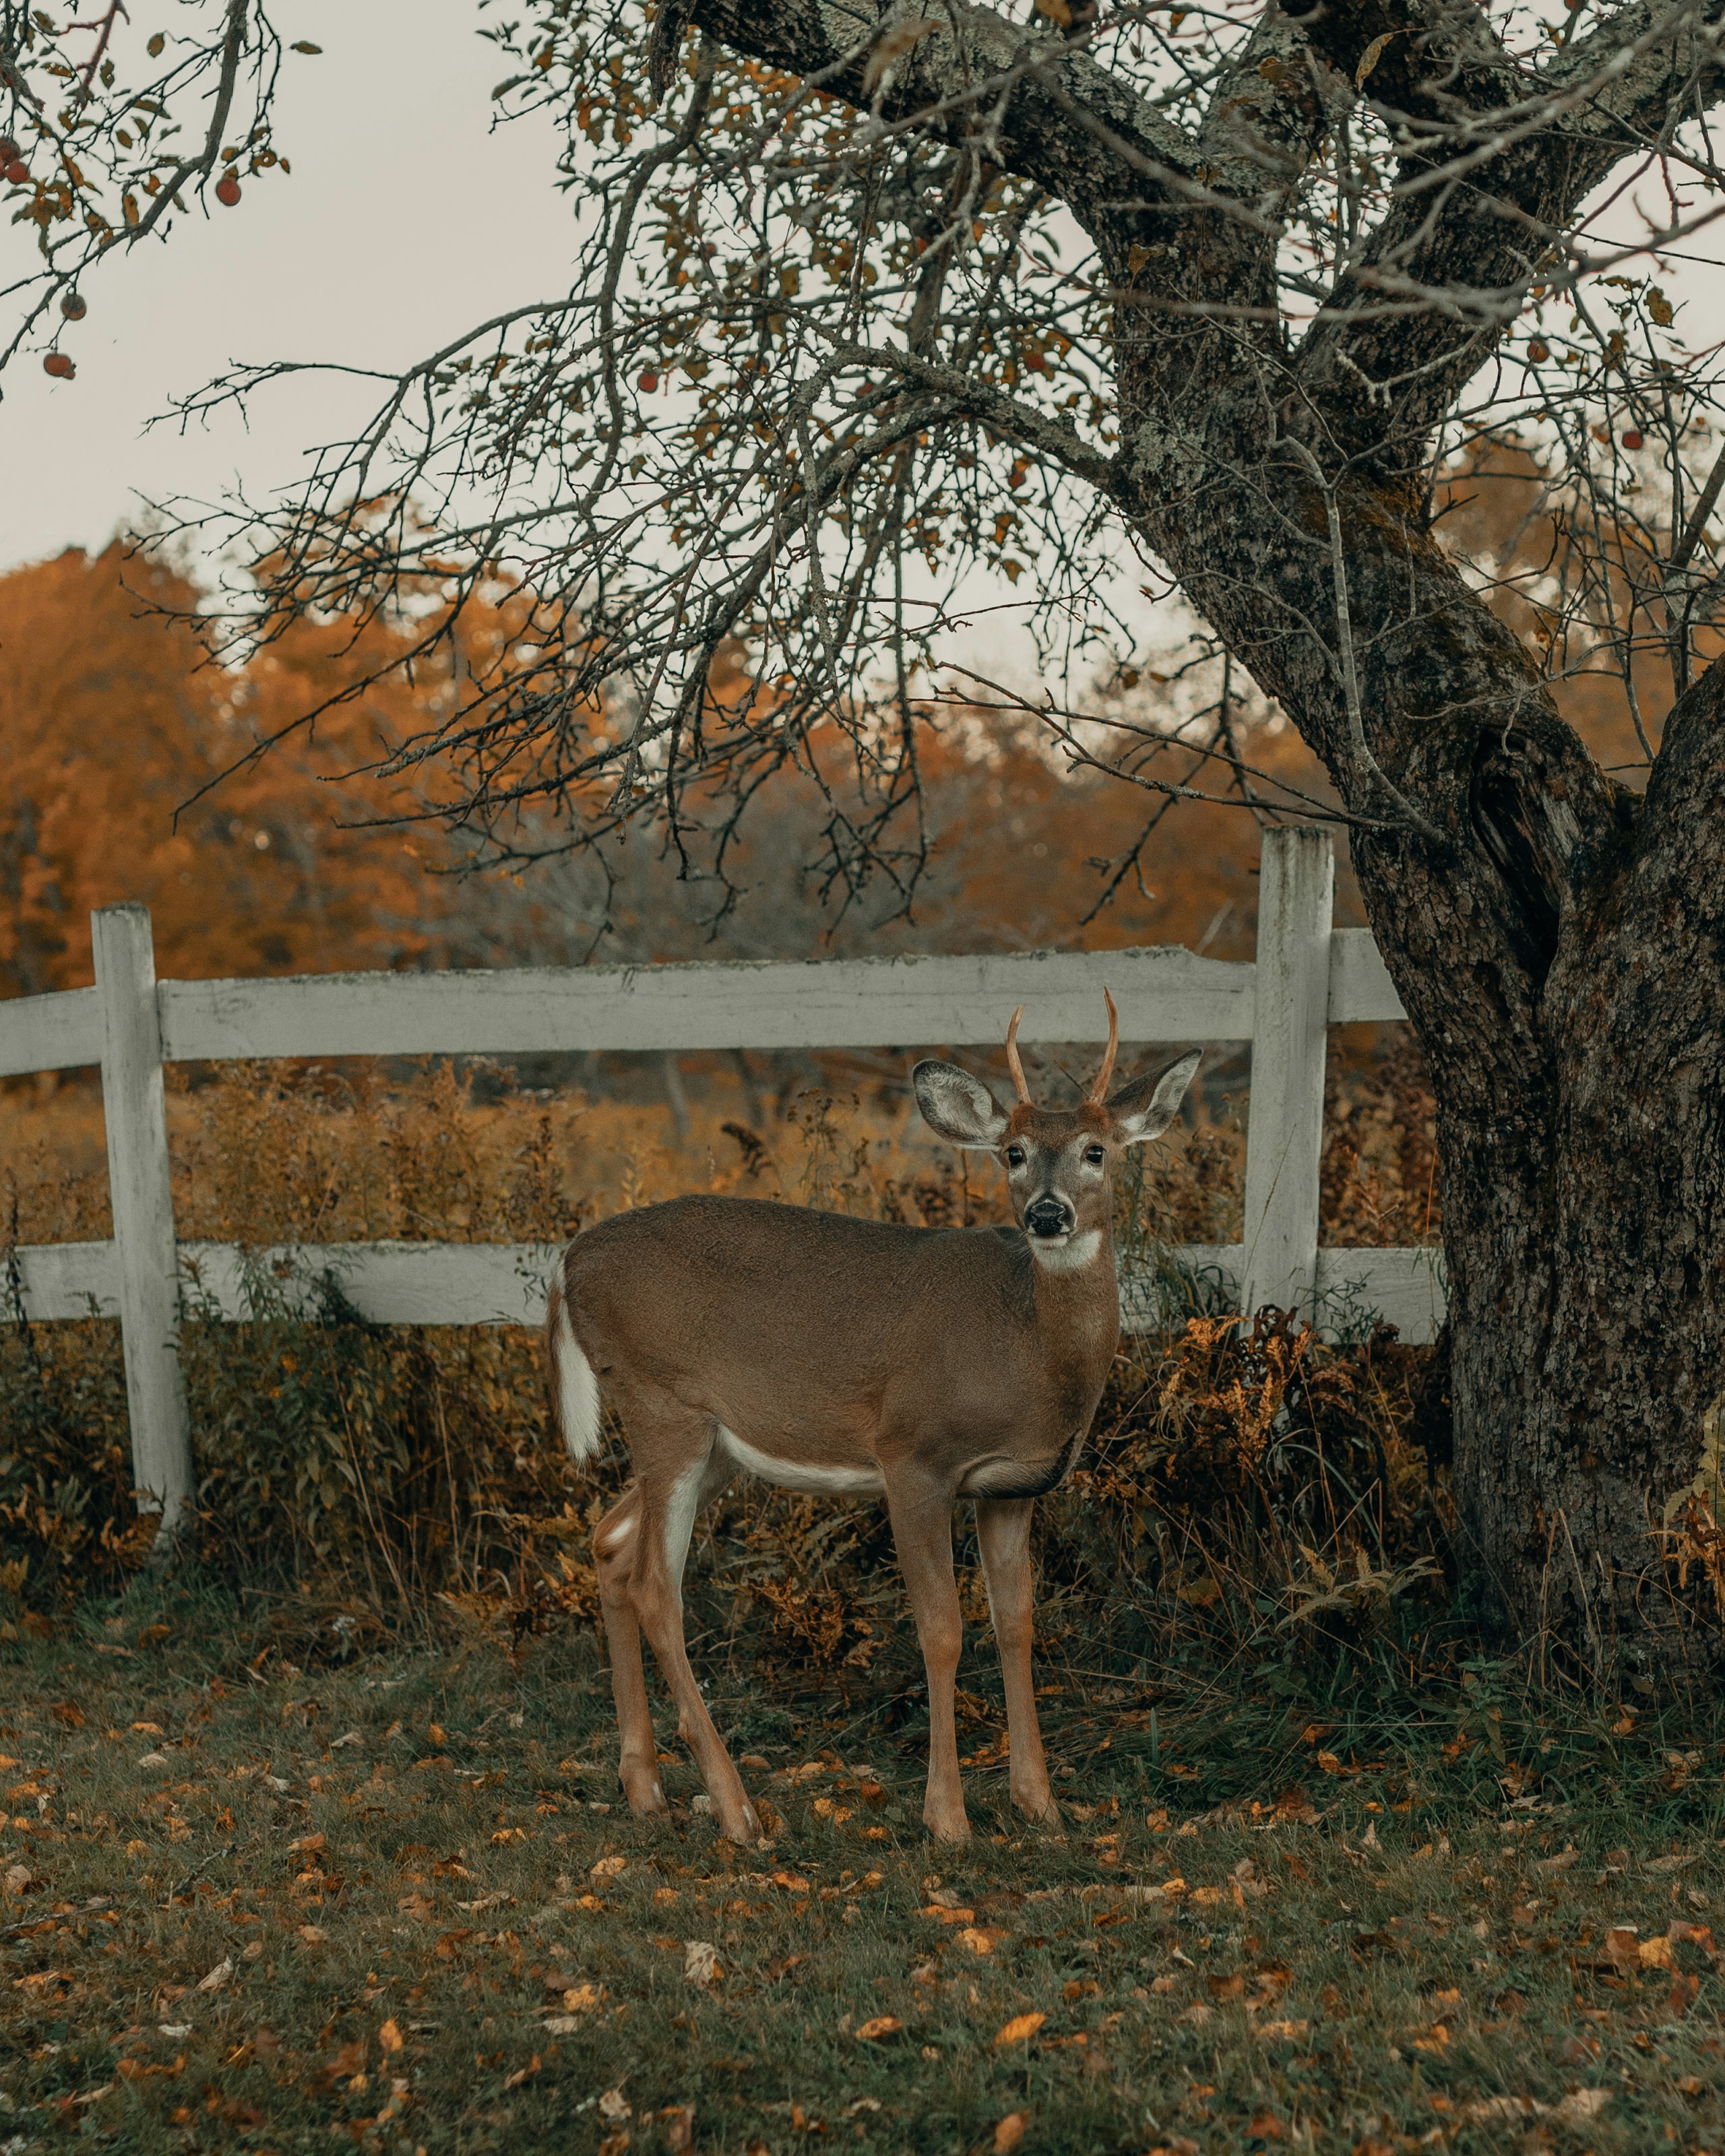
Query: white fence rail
[{"x": 1307, "y": 976}]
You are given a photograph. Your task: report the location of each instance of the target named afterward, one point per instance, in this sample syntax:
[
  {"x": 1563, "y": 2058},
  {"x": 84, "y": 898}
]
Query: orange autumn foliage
[{"x": 111, "y": 718}]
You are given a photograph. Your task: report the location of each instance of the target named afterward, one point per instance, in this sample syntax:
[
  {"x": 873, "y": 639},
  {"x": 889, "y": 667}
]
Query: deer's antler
[
  {"x": 1099, "y": 1091},
  {"x": 1013, "y": 1063}
]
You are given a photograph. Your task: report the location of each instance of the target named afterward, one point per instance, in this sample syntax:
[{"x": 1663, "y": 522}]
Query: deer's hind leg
[
  {"x": 680, "y": 1469},
  {"x": 613, "y": 1548}
]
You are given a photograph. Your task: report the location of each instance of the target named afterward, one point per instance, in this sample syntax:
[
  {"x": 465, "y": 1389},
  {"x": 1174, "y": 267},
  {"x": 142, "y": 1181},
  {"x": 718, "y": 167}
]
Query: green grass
[{"x": 394, "y": 1862}]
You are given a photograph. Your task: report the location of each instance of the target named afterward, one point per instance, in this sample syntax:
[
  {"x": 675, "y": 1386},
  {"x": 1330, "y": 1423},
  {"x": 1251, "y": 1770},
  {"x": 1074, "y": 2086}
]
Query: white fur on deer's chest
[{"x": 805, "y": 1475}]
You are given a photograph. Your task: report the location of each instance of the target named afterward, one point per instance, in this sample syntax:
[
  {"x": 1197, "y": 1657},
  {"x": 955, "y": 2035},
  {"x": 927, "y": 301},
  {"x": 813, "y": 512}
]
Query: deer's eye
[
  {"x": 1015, "y": 1156},
  {"x": 1095, "y": 1155}
]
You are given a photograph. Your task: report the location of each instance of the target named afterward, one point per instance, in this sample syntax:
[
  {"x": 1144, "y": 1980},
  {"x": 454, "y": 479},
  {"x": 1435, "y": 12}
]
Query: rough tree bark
[{"x": 1555, "y": 941}]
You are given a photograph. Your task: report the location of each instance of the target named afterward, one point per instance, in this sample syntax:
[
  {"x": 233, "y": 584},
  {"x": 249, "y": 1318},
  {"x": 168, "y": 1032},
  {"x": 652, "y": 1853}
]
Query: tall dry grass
[{"x": 1265, "y": 1494}]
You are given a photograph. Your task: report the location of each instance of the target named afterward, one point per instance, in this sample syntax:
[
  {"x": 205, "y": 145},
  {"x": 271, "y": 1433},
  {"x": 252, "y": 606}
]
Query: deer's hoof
[
  {"x": 742, "y": 1827},
  {"x": 645, "y": 1796}
]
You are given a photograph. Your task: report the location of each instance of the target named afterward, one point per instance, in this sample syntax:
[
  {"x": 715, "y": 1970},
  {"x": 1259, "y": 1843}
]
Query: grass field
[{"x": 396, "y": 1904}]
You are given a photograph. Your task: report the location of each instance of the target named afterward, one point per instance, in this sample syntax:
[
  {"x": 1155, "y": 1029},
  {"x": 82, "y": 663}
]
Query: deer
[{"x": 853, "y": 1357}]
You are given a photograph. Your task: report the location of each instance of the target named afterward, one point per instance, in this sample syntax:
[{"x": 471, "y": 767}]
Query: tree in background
[
  {"x": 874, "y": 299},
  {"x": 113, "y": 721},
  {"x": 114, "y": 724}
]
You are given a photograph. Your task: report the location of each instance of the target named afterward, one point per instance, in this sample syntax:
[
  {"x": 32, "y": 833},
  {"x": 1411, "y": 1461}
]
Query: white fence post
[
  {"x": 1285, "y": 1137},
  {"x": 135, "y": 1108}
]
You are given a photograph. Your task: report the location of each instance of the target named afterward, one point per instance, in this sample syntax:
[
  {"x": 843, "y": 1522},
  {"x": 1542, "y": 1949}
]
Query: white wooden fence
[{"x": 1307, "y": 976}]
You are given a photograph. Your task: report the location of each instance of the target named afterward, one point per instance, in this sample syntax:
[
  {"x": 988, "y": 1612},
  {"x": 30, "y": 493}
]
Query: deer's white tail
[{"x": 574, "y": 1390}]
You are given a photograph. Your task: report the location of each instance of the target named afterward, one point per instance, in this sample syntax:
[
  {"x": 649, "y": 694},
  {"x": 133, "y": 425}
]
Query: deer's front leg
[
  {"x": 922, "y": 1518},
  {"x": 1002, "y": 1533}
]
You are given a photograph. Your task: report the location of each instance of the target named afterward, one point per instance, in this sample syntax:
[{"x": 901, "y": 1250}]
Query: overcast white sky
[{"x": 404, "y": 220}]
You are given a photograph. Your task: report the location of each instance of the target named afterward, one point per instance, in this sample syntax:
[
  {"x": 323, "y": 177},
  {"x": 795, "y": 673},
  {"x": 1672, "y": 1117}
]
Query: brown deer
[{"x": 827, "y": 1353}]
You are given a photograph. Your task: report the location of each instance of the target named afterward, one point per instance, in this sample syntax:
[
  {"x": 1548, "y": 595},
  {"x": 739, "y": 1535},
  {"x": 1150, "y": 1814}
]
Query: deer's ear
[
  {"x": 961, "y": 1108},
  {"x": 1144, "y": 1109}
]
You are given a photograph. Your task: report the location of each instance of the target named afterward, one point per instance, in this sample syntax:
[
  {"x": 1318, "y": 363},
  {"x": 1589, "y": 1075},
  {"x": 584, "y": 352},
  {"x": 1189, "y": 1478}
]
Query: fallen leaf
[
  {"x": 308, "y": 1843},
  {"x": 614, "y": 2106},
  {"x": 879, "y": 2026},
  {"x": 1010, "y": 2132},
  {"x": 1020, "y": 2028},
  {"x": 978, "y": 1942},
  {"x": 68, "y": 1714},
  {"x": 1581, "y": 2105},
  {"x": 389, "y": 2036},
  {"x": 1284, "y": 2032},
  {"x": 607, "y": 1867},
  {"x": 700, "y": 1962},
  {"x": 677, "y": 2123},
  {"x": 218, "y": 1976}
]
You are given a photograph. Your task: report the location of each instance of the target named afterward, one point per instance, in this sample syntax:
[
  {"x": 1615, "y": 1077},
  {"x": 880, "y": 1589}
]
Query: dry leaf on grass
[
  {"x": 218, "y": 1976},
  {"x": 879, "y": 2026},
  {"x": 1020, "y": 2028},
  {"x": 1010, "y": 2132},
  {"x": 700, "y": 1962},
  {"x": 614, "y": 2106},
  {"x": 1576, "y": 2109},
  {"x": 607, "y": 1867}
]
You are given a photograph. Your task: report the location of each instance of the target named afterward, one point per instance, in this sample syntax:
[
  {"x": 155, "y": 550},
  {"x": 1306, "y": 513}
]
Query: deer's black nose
[{"x": 1048, "y": 1216}]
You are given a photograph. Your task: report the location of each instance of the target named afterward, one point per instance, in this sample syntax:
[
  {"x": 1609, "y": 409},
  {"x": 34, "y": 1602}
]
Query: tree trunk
[
  {"x": 1561, "y": 954},
  {"x": 1588, "y": 1307}
]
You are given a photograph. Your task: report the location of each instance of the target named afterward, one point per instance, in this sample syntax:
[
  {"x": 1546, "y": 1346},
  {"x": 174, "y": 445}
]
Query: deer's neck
[{"x": 1077, "y": 1300}]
